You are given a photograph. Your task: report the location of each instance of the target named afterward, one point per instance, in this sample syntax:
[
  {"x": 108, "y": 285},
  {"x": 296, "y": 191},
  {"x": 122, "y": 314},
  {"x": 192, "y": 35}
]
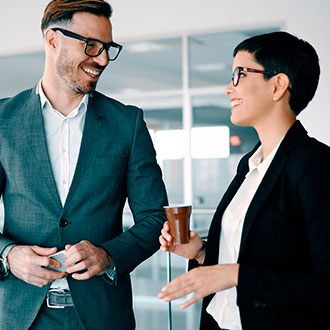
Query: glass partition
[{"x": 179, "y": 84}]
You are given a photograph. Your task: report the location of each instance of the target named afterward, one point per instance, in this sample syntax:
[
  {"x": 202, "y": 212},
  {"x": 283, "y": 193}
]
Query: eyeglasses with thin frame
[
  {"x": 238, "y": 71},
  {"x": 94, "y": 47}
]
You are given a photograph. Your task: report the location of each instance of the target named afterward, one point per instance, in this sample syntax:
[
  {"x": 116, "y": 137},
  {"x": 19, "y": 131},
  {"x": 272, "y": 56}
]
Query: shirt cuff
[
  {"x": 7, "y": 249},
  {"x": 111, "y": 275}
]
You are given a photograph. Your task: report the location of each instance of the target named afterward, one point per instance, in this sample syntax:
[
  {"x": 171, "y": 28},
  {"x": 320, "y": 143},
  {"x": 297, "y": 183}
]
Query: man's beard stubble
[{"x": 66, "y": 71}]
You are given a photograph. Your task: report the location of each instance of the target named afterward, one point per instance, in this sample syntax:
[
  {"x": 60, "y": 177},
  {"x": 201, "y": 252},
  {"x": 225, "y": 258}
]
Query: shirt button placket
[{"x": 65, "y": 162}]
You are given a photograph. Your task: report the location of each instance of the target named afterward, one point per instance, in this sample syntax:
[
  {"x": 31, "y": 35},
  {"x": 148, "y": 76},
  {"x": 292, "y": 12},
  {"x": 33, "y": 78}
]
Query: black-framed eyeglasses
[
  {"x": 239, "y": 69},
  {"x": 94, "y": 47}
]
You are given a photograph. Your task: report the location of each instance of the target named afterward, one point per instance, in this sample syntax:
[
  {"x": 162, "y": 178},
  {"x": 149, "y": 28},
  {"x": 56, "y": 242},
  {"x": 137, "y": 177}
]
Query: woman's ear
[{"x": 281, "y": 85}]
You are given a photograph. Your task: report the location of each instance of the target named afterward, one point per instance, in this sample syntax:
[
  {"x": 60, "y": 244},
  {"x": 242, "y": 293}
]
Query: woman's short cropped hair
[{"x": 282, "y": 52}]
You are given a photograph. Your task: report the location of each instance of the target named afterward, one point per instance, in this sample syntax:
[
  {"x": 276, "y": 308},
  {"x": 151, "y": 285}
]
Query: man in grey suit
[{"x": 69, "y": 159}]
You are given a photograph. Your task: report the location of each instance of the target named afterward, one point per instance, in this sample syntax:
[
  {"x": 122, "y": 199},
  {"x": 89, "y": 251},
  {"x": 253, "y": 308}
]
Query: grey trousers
[{"x": 57, "y": 319}]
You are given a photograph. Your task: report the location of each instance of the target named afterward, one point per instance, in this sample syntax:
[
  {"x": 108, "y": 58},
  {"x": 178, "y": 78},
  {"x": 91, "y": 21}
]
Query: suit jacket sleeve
[
  {"x": 146, "y": 197},
  {"x": 3, "y": 241}
]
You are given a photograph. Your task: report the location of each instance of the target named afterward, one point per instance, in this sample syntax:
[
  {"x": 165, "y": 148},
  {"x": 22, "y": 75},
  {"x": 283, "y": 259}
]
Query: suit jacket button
[{"x": 64, "y": 223}]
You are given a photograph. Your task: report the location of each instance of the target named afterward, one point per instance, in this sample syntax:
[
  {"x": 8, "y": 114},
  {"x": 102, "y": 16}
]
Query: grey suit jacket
[{"x": 116, "y": 161}]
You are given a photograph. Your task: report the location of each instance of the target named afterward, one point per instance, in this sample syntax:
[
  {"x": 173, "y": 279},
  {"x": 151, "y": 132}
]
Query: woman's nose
[{"x": 228, "y": 88}]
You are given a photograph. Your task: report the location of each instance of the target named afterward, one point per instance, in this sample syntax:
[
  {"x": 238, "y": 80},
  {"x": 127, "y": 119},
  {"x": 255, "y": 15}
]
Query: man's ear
[
  {"x": 51, "y": 39},
  {"x": 281, "y": 84}
]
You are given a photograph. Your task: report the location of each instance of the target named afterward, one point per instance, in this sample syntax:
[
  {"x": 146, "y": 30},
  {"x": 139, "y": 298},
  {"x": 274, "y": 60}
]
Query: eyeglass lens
[
  {"x": 113, "y": 52},
  {"x": 236, "y": 75},
  {"x": 95, "y": 48}
]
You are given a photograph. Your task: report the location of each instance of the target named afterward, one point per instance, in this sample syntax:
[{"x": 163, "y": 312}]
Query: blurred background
[{"x": 176, "y": 61}]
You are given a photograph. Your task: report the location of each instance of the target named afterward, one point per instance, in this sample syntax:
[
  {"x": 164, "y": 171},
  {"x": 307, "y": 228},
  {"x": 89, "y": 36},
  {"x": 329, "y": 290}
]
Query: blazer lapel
[
  {"x": 295, "y": 133},
  {"x": 35, "y": 133},
  {"x": 92, "y": 135},
  {"x": 212, "y": 252}
]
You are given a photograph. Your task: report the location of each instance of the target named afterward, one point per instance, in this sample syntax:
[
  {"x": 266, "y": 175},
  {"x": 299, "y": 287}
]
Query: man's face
[{"x": 77, "y": 70}]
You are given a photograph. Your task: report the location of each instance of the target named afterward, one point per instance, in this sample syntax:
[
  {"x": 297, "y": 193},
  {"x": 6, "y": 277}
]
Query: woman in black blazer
[{"x": 271, "y": 269}]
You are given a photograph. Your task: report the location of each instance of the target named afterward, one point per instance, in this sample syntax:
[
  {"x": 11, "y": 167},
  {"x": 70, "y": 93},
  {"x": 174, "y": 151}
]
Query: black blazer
[{"x": 284, "y": 275}]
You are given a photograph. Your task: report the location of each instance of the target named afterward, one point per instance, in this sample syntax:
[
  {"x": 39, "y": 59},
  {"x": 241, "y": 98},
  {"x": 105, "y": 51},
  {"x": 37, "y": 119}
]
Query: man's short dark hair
[
  {"x": 62, "y": 11},
  {"x": 284, "y": 53}
]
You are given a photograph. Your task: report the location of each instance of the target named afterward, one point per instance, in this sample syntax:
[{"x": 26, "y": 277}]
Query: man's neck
[{"x": 63, "y": 100}]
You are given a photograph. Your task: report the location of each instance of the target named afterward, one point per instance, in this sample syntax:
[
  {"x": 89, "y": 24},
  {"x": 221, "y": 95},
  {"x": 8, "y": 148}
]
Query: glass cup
[{"x": 178, "y": 217}]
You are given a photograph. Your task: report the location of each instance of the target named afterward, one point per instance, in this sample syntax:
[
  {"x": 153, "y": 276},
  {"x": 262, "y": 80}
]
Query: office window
[{"x": 179, "y": 83}]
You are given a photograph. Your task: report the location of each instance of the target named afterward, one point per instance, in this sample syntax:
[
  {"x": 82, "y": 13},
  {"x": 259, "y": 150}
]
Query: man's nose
[{"x": 102, "y": 59}]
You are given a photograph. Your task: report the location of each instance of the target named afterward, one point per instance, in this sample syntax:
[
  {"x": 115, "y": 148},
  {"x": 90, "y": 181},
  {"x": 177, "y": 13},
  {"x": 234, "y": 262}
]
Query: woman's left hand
[{"x": 203, "y": 281}]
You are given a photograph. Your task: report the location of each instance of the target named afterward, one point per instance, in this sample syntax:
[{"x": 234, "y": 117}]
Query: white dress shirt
[
  {"x": 223, "y": 306},
  {"x": 63, "y": 136}
]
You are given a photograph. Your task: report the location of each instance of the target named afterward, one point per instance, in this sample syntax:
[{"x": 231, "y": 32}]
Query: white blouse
[{"x": 223, "y": 306}]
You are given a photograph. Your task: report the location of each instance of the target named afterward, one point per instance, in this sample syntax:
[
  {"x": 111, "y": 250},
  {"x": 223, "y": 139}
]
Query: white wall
[{"x": 132, "y": 19}]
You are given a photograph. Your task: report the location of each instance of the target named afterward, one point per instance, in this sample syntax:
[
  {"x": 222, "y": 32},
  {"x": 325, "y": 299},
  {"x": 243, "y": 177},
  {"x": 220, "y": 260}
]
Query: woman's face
[{"x": 251, "y": 99}]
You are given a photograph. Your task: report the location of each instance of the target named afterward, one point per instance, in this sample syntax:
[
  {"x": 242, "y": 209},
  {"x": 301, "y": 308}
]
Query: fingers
[
  {"x": 182, "y": 286},
  {"x": 191, "y": 301},
  {"x": 43, "y": 259},
  {"x": 170, "y": 295},
  {"x": 166, "y": 233},
  {"x": 84, "y": 276},
  {"x": 178, "y": 288},
  {"x": 41, "y": 251},
  {"x": 202, "y": 280},
  {"x": 27, "y": 265},
  {"x": 28, "y": 262},
  {"x": 164, "y": 246},
  {"x": 74, "y": 256},
  {"x": 194, "y": 235},
  {"x": 45, "y": 276},
  {"x": 165, "y": 238},
  {"x": 77, "y": 267},
  {"x": 84, "y": 256},
  {"x": 49, "y": 262}
]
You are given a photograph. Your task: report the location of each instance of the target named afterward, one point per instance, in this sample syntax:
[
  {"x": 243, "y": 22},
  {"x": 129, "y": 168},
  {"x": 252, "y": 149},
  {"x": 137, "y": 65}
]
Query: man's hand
[
  {"x": 27, "y": 263},
  {"x": 203, "y": 281},
  {"x": 86, "y": 257}
]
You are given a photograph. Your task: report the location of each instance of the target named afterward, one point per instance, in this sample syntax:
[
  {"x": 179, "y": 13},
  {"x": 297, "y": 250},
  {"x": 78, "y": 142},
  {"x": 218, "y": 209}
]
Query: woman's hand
[
  {"x": 203, "y": 281},
  {"x": 192, "y": 250}
]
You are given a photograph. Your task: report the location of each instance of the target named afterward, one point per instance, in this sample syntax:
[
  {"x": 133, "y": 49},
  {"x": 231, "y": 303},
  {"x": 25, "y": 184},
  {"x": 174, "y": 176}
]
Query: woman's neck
[{"x": 272, "y": 133}]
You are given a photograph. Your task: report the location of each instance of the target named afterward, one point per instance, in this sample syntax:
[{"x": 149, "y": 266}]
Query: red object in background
[{"x": 235, "y": 141}]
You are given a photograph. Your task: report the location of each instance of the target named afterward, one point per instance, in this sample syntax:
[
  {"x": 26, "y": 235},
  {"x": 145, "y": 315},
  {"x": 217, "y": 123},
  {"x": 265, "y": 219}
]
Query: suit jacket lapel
[
  {"x": 35, "y": 133},
  {"x": 295, "y": 133},
  {"x": 92, "y": 135},
  {"x": 212, "y": 252},
  {"x": 293, "y": 136}
]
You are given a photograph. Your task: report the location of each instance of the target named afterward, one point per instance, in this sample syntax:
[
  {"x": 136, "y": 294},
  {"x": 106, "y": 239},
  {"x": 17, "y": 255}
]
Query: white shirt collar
[
  {"x": 255, "y": 161},
  {"x": 43, "y": 100}
]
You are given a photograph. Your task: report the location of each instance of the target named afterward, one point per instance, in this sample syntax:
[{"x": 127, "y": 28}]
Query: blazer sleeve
[
  {"x": 146, "y": 197},
  {"x": 305, "y": 283},
  {"x": 3, "y": 240}
]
